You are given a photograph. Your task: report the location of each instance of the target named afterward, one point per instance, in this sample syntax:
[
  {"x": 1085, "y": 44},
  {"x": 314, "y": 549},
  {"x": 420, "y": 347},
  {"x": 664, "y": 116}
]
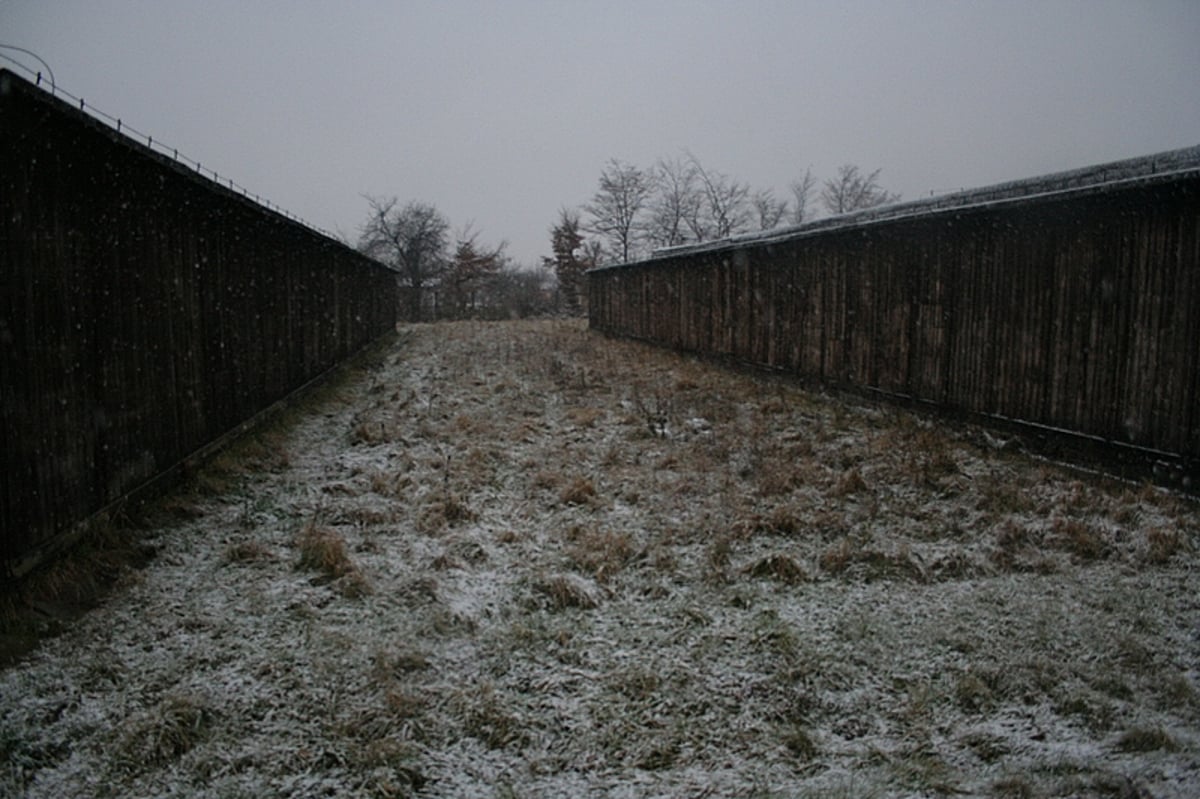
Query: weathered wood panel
[
  {"x": 1069, "y": 302},
  {"x": 144, "y": 312}
]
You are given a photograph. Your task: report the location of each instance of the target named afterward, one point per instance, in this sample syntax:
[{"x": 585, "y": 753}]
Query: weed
[
  {"x": 579, "y": 492},
  {"x": 486, "y": 718},
  {"x": 446, "y": 510},
  {"x": 584, "y": 417},
  {"x": 1147, "y": 739},
  {"x": 851, "y": 482},
  {"x": 566, "y": 591},
  {"x": 601, "y": 554},
  {"x": 717, "y": 558},
  {"x": 777, "y": 567},
  {"x": 780, "y": 520},
  {"x": 369, "y": 432},
  {"x": 389, "y": 666},
  {"x": 324, "y": 551},
  {"x": 800, "y": 743},
  {"x": 1080, "y": 539},
  {"x": 1013, "y": 788},
  {"x": 988, "y": 748},
  {"x": 1005, "y": 498},
  {"x": 247, "y": 552},
  {"x": 973, "y": 693},
  {"x": 638, "y": 683},
  {"x": 871, "y": 564},
  {"x": 165, "y": 732},
  {"x": 547, "y": 479},
  {"x": 1177, "y": 691},
  {"x": 1162, "y": 544}
]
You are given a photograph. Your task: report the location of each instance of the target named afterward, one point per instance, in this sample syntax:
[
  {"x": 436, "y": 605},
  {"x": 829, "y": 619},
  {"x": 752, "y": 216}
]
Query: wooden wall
[
  {"x": 1074, "y": 308},
  {"x": 144, "y": 312}
]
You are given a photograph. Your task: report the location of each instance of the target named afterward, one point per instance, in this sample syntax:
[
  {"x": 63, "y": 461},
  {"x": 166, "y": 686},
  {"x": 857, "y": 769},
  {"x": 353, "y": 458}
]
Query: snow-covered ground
[{"x": 524, "y": 560}]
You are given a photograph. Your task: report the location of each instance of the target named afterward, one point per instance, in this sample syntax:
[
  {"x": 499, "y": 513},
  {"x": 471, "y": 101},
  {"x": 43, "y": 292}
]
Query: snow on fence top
[{"x": 1100, "y": 177}]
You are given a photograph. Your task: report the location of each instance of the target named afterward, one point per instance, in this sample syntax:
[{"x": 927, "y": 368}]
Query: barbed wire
[{"x": 145, "y": 139}]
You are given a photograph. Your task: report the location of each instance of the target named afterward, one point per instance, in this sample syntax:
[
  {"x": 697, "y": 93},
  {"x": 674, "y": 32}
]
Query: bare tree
[
  {"x": 616, "y": 208},
  {"x": 726, "y": 205},
  {"x": 802, "y": 189},
  {"x": 676, "y": 199},
  {"x": 768, "y": 210},
  {"x": 412, "y": 240},
  {"x": 851, "y": 190}
]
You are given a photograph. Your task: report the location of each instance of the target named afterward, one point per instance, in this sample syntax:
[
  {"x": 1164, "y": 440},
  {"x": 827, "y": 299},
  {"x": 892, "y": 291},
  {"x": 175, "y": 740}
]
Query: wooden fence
[
  {"x": 1066, "y": 304},
  {"x": 144, "y": 312}
]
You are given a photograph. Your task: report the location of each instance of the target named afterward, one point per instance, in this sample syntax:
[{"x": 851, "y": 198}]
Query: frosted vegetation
[{"x": 523, "y": 560}]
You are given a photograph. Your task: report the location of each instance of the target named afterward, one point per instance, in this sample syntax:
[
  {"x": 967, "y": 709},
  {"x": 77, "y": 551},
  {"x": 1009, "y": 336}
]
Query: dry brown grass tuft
[
  {"x": 324, "y": 551},
  {"x": 390, "y": 485},
  {"x": 390, "y": 665},
  {"x": 1163, "y": 543},
  {"x": 547, "y": 479},
  {"x": 853, "y": 560},
  {"x": 247, "y": 552},
  {"x": 777, "y": 567},
  {"x": 1083, "y": 540},
  {"x": 1019, "y": 549},
  {"x": 370, "y": 432},
  {"x": 164, "y": 733},
  {"x": 601, "y": 554},
  {"x": 486, "y": 718},
  {"x": 584, "y": 417},
  {"x": 717, "y": 557},
  {"x": 851, "y": 482},
  {"x": 579, "y": 492},
  {"x": 786, "y": 520},
  {"x": 444, "y": 511},
  {"x": 1147, "y": 739},
  {"x": 566, "y": 591}
]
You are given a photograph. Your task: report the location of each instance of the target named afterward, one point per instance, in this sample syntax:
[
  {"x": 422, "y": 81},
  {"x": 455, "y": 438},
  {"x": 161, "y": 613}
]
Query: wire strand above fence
[{"x": 148, "y": 141}]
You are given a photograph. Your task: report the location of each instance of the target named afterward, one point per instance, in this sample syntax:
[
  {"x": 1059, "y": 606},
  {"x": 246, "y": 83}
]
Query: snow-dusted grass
[{"x": 522, "y": 560}]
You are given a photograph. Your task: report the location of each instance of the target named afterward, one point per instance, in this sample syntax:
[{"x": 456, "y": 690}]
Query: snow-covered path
[{"x": 523, "y": 560}]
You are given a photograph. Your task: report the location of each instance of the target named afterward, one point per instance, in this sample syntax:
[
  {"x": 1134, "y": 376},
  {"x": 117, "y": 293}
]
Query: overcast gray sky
[{"x": 500, "y": 113}]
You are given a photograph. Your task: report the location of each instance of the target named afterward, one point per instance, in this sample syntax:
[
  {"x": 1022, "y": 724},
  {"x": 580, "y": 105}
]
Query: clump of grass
[
  {"x": 1162, "y": 544},
  {"x": 1083, "y": 540},
  {"x": 1147, "y": 739},
  {"x": 777, "y": 567},
  {"x": 780, "y": 520},
  {"x": 579, "y": 492},
  {"x": 584, "y": 417},
  {"x": 778, "y": 470},
  {"x": 390, "y": 485},
  {"x": 1018, "y": 549},
  {"x": 1013, "y": 788},
  {"x": 324, "y": 551},
  {"x": 566, "y": 591},
  {"x": 718, "y": 555},
  {"x": 247, "y": 552},
  {"x": 397, "y": 761},
  {"x": 370, "y": 432},
  {"x": 601, "y": 554},
  {"x": 447, "y": 510},
  {"x": 851, "y": 482},
  {"x": 638, "y": 683},
  {"x": 167, "y": 731},
  {"x": 547, "y": 479},
  {"x": 847, "y": 557},
  {"x": 1005, "y": 498},
  {"x": 800, "y": 743},
  {"x": 487, "y": 719}
]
